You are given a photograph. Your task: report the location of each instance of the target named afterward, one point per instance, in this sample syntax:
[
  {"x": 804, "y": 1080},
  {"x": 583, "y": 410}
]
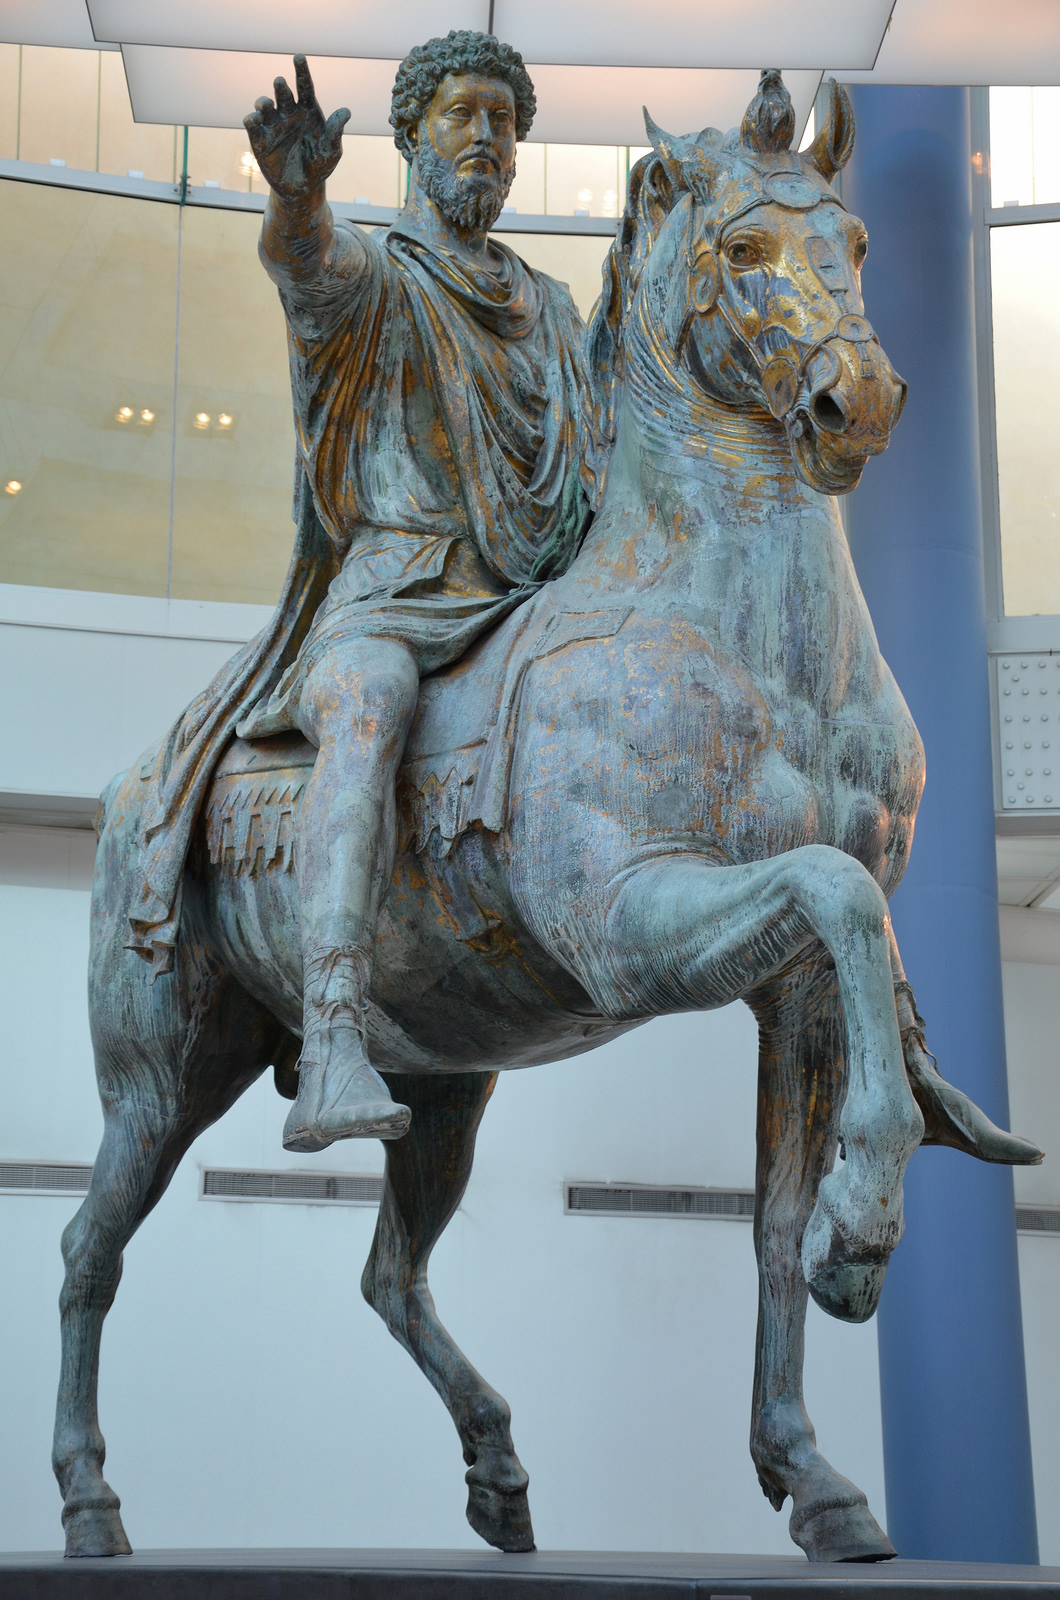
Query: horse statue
[{"x": 680, "y": 775}]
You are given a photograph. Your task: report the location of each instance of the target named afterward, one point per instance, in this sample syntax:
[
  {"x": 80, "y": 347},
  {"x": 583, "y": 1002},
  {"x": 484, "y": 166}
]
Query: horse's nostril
[{"x": 829, "y": 414}]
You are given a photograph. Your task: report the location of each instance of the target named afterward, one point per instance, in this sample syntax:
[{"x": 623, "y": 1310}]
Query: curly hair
[{"x": 461, "y": 51}]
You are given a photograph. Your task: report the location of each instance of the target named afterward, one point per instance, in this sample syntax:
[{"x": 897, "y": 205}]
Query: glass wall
[
  {"x": 1024, "y": 271},
  {"x": 1024, "y": 146},
  {"x": 87, "y": 320},
  {"x": 146, "y": 441}
]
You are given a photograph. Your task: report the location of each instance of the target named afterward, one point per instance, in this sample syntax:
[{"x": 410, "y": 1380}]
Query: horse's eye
[
  {"x": 742, "y": 254},
  {"x": 861, "y": 250}
]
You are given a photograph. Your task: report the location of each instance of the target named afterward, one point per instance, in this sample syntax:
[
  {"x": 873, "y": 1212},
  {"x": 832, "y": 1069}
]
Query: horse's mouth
[{"x": 827, "y": 463}]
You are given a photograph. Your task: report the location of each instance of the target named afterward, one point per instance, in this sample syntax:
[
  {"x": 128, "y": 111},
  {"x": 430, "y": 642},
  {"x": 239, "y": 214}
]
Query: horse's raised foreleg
[
  {"x": 161, "y": 1086},
  {"x": 800, "y": 1085},
  {"x": 684, "y": 934},
  {"x": 426, "y": 1174}
]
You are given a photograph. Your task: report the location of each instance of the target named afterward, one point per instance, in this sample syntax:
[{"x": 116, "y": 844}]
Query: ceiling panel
[
  {"x": 694, "y": 33},
  {"x": 53, "y": 22},
  {"x": 325, "y": 28},
  {"x": 602, "y": 105},
  {"x": 968, "y": 42},
  {"x": 216, "y": 88},
  {"x": 667, "y": 33},
  {"x": 576, "y": 105}
]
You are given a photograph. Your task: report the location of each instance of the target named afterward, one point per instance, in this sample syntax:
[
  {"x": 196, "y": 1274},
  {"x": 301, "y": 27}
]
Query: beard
[{"x": 472, "y": 202}]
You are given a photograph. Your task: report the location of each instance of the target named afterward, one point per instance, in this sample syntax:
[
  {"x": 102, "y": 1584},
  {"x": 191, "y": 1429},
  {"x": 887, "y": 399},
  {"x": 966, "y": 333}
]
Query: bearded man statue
[{"x": 442, "y": 423}]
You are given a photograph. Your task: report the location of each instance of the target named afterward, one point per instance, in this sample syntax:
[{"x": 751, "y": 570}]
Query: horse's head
[{"x": 750, "y": 270}]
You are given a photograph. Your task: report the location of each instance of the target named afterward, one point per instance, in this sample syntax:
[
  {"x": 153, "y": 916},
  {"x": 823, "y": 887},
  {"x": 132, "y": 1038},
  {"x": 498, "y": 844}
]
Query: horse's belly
[{"x": 455, "y": 986}]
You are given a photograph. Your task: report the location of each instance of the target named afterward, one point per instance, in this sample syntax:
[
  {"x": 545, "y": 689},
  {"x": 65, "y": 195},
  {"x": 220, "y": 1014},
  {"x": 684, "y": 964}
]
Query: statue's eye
[
  {"x": 861, "y": 250},
  {"x": 741, "y": 253}
]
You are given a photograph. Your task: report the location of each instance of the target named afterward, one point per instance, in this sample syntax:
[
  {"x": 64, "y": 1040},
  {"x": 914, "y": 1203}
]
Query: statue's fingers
[
  {"x": 265, "y": 110},
  {"x": 335, "y": 124},
  {"x": 254, "y": 126},
  {"x": 304, "y": 80},
  {"x": 284, "y": 97}
]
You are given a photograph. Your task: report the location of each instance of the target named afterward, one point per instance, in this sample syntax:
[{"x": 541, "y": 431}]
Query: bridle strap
[{"x": 848, "y": 326}]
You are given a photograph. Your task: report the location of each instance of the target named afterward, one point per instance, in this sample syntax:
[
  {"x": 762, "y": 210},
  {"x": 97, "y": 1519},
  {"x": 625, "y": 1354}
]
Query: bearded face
[
  {"x": 465, "y": 149},
  {"x": 471, "y": 201}
]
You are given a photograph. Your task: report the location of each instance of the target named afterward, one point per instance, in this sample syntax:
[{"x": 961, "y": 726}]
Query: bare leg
[
  {"x": 356, "y": 706},
  {"x": 426, "y": 1174},
  {"x": 800, "y": 1087}
]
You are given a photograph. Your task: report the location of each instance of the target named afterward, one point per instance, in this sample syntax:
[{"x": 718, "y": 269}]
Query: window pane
[
  {"x": 9, "y": 101},
  {"x": 1025, "y": 262},
  {"x": 128, "y": 147},
  {"x": 1024, "y": 146},
  {"x": 87, "y": 303},
  {"x": 232, "y": 529},
  {"x": 584, "y": 179},
  {"x": 59, "y": 108}
]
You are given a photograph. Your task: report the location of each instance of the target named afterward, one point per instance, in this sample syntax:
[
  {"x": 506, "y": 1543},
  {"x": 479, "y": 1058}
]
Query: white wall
[
  {"x": 1032, "y": 1025},
  {"x": 249, "y": 1397}
]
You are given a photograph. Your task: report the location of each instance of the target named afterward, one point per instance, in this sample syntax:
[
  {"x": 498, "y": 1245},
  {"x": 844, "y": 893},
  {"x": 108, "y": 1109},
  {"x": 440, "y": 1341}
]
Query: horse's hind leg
[
  {"x": 426, "y": 1174},
  {"x": 801, "y": 1084},
  {"x": 161, "y": 1083}
]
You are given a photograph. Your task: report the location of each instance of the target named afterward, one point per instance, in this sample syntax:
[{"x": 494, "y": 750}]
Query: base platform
[{"x": 487, "y": 1575}]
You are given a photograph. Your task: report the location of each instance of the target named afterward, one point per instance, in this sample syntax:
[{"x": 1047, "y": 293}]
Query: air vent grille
[
  {"x": 1038, "y": 1219},
  {"x": 645, "y": 1200},
  {"x": 44, "y": 1177},
  {"x": 305, "y": 1188}
]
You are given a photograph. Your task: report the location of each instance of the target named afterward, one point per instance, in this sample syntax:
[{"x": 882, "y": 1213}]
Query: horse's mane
[{"x": 648, "y": 203}]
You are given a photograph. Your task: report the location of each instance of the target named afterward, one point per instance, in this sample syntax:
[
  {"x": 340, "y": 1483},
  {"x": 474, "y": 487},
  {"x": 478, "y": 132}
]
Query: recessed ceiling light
[{"x": 12, "y": 486}]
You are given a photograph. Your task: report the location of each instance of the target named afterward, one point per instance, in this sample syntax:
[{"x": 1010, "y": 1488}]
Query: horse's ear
[
  {"x": 686, "y": 161},
  {"x": 834, "y": 143}
]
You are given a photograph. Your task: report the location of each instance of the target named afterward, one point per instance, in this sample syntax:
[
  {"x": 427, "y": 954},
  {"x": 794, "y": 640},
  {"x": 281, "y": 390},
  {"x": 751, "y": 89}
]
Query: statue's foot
[
  {"x": 340, "y": 1095},
  {"x": 951, "y": 1118}
]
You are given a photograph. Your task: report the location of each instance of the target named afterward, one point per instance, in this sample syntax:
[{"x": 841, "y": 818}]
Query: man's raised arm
[{"x": 297, "y": 150}]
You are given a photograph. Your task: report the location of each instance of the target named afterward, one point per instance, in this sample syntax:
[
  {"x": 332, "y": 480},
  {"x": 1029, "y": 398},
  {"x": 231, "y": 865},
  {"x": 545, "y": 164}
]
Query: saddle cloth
[{"x": 457, "y": 762}]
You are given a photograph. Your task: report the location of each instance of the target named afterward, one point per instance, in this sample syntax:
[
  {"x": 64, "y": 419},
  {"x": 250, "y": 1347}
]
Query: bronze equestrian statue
[{"x": 675, "y": 775}]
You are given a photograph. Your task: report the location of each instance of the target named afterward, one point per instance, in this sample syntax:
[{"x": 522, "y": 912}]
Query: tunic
[{"x": 440, "y": 409}]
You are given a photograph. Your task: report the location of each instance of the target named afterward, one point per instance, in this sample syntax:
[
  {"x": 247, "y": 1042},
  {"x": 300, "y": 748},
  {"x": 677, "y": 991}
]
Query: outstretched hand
[{"x": 293, "y": 145}]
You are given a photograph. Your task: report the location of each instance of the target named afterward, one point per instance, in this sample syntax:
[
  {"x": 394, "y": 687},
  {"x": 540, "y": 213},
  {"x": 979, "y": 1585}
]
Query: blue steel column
[{"x": 954, "y": 1398}]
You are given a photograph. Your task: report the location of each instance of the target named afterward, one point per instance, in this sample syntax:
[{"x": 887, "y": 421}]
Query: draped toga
[{"x": 442, "y": 424}]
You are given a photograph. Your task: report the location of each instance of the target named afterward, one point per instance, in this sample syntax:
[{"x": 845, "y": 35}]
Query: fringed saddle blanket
[{"x": 457, "y": 764}]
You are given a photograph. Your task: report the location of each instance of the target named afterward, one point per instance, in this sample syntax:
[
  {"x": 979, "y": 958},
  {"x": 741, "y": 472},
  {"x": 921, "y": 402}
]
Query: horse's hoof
[
  {"x": 498, "y": 1513},
  {"x": 841, "y": 1533},
  {"x": 846, "y": 1281},
  {"x": 849, "y": 1290},
  {"x": 95, "y": 1530}
]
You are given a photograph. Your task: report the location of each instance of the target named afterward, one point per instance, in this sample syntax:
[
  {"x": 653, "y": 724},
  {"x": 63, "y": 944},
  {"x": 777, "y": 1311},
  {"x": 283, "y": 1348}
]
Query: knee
[
  {"x": 839, "y": 886},
  {"x": 373, "y": 687}
]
